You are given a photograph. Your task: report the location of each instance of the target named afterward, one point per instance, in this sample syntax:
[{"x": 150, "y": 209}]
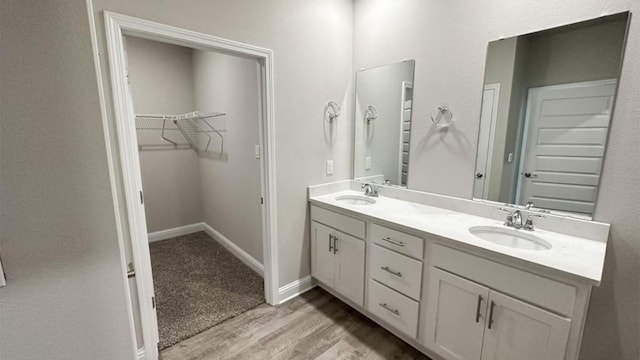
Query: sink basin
[
  {"x": 355, "y": 200},
  {"x": 513, "y": 238}
]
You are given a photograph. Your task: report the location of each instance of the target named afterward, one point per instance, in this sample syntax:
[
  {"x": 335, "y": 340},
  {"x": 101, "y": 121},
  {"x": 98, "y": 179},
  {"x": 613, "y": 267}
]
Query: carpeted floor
[{"x": 199, "y": 284}]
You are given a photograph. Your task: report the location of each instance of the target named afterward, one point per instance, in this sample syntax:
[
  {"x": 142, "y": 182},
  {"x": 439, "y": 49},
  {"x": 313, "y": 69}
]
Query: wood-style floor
[{"x": 314, "y": 325}]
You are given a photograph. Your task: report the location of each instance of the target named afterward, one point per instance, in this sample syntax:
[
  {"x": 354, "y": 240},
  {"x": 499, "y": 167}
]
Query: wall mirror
[
  {"x": 547, "y": 104},
  {"x": 383, "y": 123}
]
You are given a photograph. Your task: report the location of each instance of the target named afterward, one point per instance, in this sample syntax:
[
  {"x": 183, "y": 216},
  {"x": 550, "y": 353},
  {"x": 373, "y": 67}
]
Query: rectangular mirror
[
  {"x": 383, "y": 123},
  {"x": 547, "y": 103}
]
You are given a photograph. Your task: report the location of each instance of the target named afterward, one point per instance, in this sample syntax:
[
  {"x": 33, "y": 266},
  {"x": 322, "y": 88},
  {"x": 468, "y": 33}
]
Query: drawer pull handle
[
  {"x": 396, "y": 273},
  {"x": 386, "y": 307},
  {"x": 478, "y": 308},
  {"x": 491, "y": 314},
  {"x": 330, "y": 244},
  {"x": 394, "y": 242}
]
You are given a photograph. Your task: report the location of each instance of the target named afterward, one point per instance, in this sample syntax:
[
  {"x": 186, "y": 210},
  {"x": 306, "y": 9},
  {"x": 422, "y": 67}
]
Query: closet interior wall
[
  {"x": 162, "y": 83},
  {"x": 184, "y": 187}
]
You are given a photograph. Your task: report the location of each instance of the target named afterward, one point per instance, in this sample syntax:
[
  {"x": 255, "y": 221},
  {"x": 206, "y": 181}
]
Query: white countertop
[{"x": 569, "y": 254}]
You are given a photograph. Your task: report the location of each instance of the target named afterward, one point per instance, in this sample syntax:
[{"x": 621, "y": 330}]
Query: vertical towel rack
[{"x": 192, "y": 126}]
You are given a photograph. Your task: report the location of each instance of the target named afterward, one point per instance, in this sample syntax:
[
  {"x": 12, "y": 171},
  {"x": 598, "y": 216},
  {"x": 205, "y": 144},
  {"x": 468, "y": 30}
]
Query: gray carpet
[{"x": 199, "y": 284}]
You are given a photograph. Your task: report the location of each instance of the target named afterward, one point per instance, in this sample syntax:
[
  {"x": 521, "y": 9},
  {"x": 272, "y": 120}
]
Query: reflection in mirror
[
  {"x": 383, "y": 123},
  {"x": 546, "y": 109}
]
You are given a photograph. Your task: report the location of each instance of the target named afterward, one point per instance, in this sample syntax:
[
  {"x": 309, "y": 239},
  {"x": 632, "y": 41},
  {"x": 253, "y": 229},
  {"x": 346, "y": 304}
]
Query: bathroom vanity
[
  {"x": 504, "y": 275},
  {"x": 416, "y": 264}
]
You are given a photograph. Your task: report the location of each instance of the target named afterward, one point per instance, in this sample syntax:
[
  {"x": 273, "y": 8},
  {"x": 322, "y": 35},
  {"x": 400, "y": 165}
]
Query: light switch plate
[
  {"x": 367, "y": 163},
  {"x": 329, "y": 167}
]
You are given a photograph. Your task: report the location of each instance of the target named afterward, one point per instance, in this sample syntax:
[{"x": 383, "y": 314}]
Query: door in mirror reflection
[
  {"x": 546, "y": 111},
  {"x": 383, "y": 123}
]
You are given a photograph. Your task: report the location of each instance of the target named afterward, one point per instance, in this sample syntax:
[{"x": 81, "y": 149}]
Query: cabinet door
[
  {"x": 522, "y": 331},
  {"x": 322, "y": 257},
  {"x": 349, "y": 275},
  {"x": 456, "y": 311}
]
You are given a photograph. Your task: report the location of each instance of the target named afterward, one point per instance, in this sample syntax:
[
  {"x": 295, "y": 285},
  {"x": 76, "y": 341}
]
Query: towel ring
[
  {"x": 442, "y": 117},
  {"x": 370, "y": 114},
  {"x": 331, "y": 111}
]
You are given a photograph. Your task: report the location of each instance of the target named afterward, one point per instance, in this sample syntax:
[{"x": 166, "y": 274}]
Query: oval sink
[
  {"x": 355, "y": 200},
  {"x": 513, "y": 238}
]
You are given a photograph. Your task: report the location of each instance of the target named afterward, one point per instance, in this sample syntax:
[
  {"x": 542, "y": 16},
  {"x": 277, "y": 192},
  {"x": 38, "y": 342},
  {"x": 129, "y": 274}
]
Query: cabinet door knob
[{"x": 479, "y": 175}]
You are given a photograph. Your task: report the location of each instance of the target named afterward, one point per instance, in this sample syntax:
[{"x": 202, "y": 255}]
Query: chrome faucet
[
  {"x": 528, "y": 225},
  {"x": 514, "y": 219},
  {"x": 370, "y": 190}
]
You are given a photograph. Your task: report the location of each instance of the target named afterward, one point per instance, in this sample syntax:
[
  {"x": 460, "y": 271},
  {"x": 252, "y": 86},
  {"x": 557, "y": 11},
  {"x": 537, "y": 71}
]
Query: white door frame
[{"x": 117, "y": 25}]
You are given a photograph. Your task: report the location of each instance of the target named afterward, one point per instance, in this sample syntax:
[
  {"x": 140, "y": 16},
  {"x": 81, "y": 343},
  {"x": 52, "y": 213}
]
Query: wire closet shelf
[{"x": 193, "y": 127}]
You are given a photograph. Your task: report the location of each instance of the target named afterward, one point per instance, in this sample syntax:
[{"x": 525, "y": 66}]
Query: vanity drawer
[
  {"x": 397, "y": 271},
  {"x": 394, "y": 308},
  {"x": 397, "y": 240},
  {"x": 337, "y": 221}
]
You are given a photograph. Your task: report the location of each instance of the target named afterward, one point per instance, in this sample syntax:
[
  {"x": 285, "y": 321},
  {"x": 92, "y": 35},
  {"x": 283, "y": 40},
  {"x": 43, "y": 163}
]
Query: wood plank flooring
[{"x": 314, "y": 325}]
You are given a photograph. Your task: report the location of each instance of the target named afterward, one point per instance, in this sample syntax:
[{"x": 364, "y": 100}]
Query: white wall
[
  {"x": 65, "y": 297},
  {"x": 312, "y": 44},
  {"x": 230, "y": 184},
  {"x": 162, "y": 83},
  {"x": 449, "y": 68}
]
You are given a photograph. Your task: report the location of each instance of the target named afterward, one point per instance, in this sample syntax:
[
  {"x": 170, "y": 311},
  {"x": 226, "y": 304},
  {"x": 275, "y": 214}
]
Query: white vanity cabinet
[
  {"x": 501, "y": 312},
  {"x": 337, "y": 258},
  {"x": 469, "y": 321},
  {"x": 450, "y": 300}
]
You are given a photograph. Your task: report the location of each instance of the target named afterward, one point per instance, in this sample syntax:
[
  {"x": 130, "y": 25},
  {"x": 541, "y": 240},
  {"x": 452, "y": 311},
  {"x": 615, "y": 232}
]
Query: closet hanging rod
[
  {"x": 194, "y": 115},
  {"x": 188, "y": 124}
]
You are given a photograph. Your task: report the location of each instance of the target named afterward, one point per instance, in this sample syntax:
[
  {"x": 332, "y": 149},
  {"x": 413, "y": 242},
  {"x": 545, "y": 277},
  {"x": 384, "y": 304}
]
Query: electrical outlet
[
  {"x": 510, "y": 158},
  {"x": 329, "y": 167},
  {"x": 367, "y": 163},
  {"x": 257, "y": 151}
]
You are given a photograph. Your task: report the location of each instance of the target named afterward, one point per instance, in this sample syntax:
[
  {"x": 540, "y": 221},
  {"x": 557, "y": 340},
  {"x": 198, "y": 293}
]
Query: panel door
[
  {"x": 456, "y": 311},
  {"x": 522, "y": 331},
  {"x": 349, "y": 271},
  {"x": 566, "y": 133},
  {"x": 322, "y": 257}
]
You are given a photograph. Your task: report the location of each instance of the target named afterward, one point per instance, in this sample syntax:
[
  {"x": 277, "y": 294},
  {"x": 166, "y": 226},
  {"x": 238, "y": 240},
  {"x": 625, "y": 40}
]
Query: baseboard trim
[
  {"x": 142, "y": 355},
  {"x": 176, "y": 231},
  {"x": 249, "y": 260},
  {"x": 295, "y": 288}
]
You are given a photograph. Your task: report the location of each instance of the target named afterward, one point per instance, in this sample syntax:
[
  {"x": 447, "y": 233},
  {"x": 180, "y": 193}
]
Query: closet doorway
[{"x": 195, "y": 134}]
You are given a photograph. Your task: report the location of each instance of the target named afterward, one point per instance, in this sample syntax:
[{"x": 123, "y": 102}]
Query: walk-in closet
[{"x": 197, "y": 126}]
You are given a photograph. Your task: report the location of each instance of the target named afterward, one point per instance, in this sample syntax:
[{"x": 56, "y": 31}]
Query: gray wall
[
  {"x": 456, "y": 77},
  {"x": 579, "y": 54},
  {"x": 162, "y": 83},
  {"x": 65, "y": 297},
  {"x": 231, "y": 183},
  {"x": 499, "y": 69}
]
